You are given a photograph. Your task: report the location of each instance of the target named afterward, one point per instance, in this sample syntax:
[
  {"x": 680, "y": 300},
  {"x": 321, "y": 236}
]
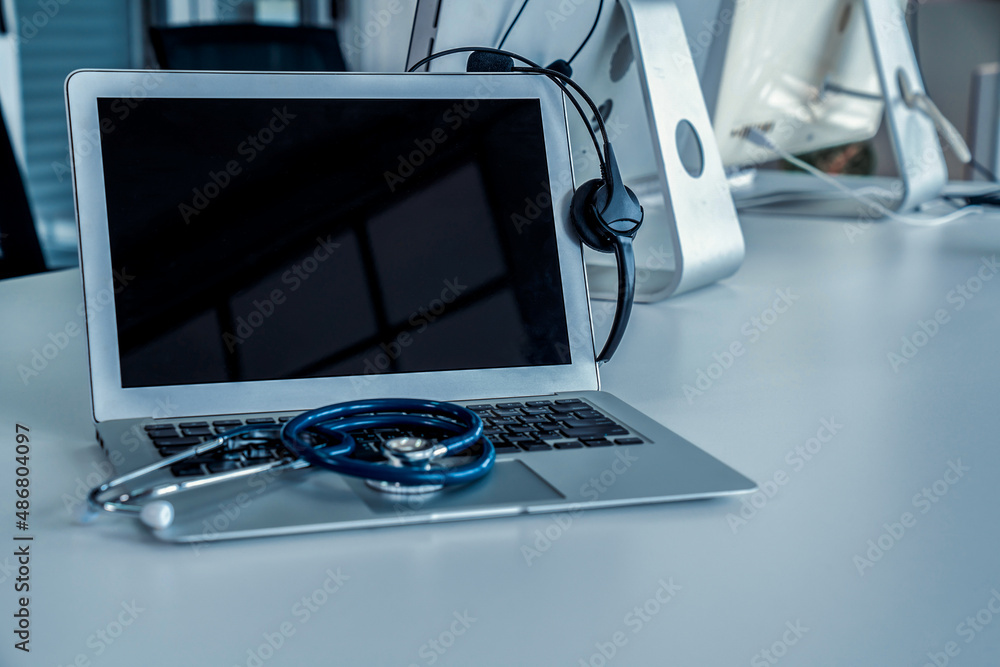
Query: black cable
[
  {"x": 597, "y": 19},
  {"x": 511, "y": 26},
  {"x": 558, "y": 78},
  {"x": 471, "y": 49}
]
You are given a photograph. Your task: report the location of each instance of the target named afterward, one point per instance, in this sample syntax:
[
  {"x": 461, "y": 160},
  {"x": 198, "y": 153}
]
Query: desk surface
[{"x": 875, "y": 539}]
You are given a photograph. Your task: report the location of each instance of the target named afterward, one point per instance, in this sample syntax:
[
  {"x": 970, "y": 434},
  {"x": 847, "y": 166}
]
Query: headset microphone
[
  {"x": 489, "y": 63},
  {"x": 605, "y": 212}
]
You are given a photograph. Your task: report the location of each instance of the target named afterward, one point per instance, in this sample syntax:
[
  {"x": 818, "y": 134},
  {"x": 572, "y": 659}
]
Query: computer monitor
[
  {"x": 805, "y": 75},
  {"x": 806, "y": 78},
  {"x": 637, "y": 67},
  {"x": 801, "y": 77}
]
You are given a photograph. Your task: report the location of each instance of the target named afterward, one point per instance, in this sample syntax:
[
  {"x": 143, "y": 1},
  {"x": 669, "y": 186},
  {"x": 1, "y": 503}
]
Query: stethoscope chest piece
[{"x": 408, "y": 452}]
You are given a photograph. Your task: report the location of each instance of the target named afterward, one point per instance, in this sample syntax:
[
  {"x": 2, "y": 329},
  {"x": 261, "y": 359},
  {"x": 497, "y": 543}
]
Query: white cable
[{"x": 757, "y": 137}]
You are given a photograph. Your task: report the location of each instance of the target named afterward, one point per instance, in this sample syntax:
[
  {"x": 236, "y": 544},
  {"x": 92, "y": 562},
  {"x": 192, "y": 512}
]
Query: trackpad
[{"x": 511, "y": 485}]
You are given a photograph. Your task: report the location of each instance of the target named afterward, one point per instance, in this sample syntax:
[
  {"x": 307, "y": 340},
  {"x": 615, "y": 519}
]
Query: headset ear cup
[{"x": 584, "y": 220}]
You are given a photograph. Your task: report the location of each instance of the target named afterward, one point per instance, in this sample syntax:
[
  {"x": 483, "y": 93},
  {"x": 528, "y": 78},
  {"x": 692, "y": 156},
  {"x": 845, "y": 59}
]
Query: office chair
[
  {"x": 20, "y": 252},
  {"x": 247, "y": 46}
]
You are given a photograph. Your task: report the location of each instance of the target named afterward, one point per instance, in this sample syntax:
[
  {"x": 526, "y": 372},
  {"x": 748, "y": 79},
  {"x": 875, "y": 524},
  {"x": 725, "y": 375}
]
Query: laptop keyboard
[{"x": 512, "y": 427}]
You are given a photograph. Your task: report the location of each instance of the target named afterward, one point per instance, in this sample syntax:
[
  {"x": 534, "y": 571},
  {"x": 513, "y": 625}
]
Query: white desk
[{"x": 791, "y": 565}]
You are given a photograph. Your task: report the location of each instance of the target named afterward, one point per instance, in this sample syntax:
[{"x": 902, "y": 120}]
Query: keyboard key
[
  {"x": 171, "y": 451},
  {"x": 572, "y": 444},
  {"x": 565, "y": 408},
  {"x": 599, "y": 442},
  {"x": 593, "y": 431},
  {"x": 153, "y": 427},
  {"x": 197, "y": 431},
  {"x": 193, "y": 425},
  {"x": 589, "y": 414},
  {"x": 581, "y": 423},
  {"x": 497, "y": 430},
  {"x": 538, "y": 404},
  {"x": 505, "y": 420},
  {"x": 162, "y": 432},
  {"x": 480, "y": 408},
  {"x": 568, "y": 401},
  {"x": 282, "y": 420},
  {"x": 535, "y": 447},
  {"x": 182, "y": 443},
  {"x": 536, "y": 411},
  {"x": 629, "y": 441},
  {"x": 549, "y": 435},
  {"x": 260, "y": 420},
  {"x": 534, "y": 419},
  {"x": 519, "y": 439},
  {"x": 507, "y": 413},
  {"x": 521, "y": 428},
  {"x": 509, "y": 406},
  {"x": 506, "y": 449},
  {"x": 227, "y": 423}
]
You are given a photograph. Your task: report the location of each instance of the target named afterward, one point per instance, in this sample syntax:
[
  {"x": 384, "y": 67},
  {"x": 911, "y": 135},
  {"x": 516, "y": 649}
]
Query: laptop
[{"x": 254, "y": 245}]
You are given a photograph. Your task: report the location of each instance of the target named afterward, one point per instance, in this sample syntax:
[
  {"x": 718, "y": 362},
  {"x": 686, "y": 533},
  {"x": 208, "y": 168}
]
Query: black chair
[
  {"x": 253, "y": 47},
  {"x": 20, "y": 252}
]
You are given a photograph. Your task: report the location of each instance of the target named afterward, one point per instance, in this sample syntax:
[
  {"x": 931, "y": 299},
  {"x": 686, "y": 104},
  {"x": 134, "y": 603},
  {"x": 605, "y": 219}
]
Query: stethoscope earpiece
[{"x": 158, "y": 514}]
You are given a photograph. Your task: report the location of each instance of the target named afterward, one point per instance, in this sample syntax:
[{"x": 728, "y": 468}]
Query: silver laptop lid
[{"x": 253, "y": 242}]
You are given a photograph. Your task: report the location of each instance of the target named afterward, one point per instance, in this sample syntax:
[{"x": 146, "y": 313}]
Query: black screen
[{"x": 266, "y": 239}]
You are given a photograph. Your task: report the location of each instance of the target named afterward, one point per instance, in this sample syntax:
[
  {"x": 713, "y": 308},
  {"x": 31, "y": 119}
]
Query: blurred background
[{"x": 42, "y": 41}]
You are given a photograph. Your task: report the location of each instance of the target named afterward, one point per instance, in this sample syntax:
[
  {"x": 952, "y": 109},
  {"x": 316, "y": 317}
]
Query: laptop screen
[{"x": 259, "y": 239}]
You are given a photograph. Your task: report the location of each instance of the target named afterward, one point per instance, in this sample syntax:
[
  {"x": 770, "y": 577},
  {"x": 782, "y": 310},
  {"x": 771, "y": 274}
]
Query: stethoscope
[{"x": 322, "y": 438}]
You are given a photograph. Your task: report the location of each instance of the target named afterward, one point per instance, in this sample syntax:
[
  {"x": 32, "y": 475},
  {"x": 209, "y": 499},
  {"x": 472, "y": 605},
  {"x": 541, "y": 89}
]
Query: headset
[
  {"x": 605, "y": 213},
  {"x": 321, "y": 438}
]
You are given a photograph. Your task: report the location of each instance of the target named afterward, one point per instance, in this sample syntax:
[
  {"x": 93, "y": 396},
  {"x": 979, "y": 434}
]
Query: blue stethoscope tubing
[
  {"x": 330, "y": 451},
  {"x": 335, "y": 422}
]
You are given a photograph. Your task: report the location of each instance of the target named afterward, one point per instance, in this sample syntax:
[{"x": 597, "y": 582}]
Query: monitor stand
[
  {"x": 915, "y": 144},
  {"x": 691, "y": 236}
]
